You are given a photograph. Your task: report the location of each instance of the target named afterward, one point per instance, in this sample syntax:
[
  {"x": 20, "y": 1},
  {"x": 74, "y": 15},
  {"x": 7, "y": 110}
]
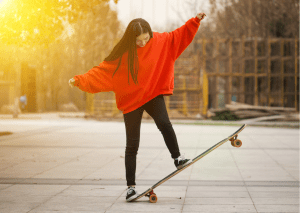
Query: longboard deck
[{"x": 193, "y": 161}]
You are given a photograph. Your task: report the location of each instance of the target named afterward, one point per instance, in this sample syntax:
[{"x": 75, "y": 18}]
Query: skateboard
[{"x": 234, "y": 142}]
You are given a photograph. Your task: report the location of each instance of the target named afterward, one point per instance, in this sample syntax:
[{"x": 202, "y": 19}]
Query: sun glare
[{"x": 3, "y": 3}]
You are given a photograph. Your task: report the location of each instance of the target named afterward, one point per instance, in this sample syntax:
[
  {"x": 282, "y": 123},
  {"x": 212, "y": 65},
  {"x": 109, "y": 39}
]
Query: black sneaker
[
  {"x": 181, "y": 162},
  {"x": 131, "y": 193}
]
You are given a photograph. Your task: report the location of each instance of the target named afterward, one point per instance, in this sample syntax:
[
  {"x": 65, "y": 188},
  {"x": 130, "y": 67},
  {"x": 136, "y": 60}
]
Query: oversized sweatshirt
[{"x": 155, "y": 74}]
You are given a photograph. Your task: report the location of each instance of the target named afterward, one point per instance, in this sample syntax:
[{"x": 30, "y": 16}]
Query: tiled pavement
[{"x": 77, "y": 165}]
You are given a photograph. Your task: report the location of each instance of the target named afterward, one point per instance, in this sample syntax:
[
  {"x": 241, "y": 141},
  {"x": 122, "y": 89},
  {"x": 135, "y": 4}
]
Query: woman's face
[{"x": 142, "y": 39}]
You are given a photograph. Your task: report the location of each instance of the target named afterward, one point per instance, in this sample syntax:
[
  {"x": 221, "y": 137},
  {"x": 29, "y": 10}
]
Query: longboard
[{"x": 234, "y": 142}]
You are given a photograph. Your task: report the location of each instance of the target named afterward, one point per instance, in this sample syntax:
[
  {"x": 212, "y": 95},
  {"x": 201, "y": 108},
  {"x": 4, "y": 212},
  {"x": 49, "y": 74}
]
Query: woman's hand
[
  {"x": 201, "y": 16},
  {"x": 71, "y": 82}
]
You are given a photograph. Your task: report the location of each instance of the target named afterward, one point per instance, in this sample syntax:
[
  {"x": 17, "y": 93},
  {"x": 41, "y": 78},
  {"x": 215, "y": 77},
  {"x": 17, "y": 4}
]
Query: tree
[
  {"x": 262, "y": 18},
  {"x": 92, "y": 40},
  {"x": 191, "y": 8},
  {"x": 94, "y": 31},
  {"x": 40, "y": 22},
  {"x": 235, "y": 18}
]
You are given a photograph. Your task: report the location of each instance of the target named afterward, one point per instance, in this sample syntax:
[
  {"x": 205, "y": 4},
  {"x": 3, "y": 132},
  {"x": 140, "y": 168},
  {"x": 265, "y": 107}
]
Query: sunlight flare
[{"x": 3, "y": 3}]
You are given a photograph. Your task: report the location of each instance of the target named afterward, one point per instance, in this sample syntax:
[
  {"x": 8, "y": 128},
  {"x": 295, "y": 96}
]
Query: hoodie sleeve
[
  {"x": 97, "y": 79},
  {"x": 183, "y": 36}
]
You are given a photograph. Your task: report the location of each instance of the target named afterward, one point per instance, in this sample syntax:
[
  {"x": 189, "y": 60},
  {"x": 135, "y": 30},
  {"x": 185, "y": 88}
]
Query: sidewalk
[{"x": 72, "y": 165}]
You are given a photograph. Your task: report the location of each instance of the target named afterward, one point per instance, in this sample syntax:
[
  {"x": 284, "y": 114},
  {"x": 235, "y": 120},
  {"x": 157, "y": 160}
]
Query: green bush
[{"x": 225, "y": 115}]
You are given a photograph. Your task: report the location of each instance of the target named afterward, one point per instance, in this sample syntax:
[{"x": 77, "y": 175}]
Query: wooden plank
[
  {"x": 296, "y": 75},
  {"x": 251, "y": 114},
  {"x": 217, "y": 78},
  {"x": 229, "y": 96},
  {"x": 205, "y": 93},
  {"x": 241, "y": 74},
  {"x": 282, "y": 71},
  {"x": 204, "y": 109},
  {"x": 242, "y": 98},
  {"x": 240, "y": 106},
  {"x": 255, "y": 73},
  {"x": 269, "y": 68}
]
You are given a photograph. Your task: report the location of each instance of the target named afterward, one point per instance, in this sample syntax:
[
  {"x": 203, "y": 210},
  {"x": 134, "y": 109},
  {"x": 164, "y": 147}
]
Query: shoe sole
[
  {"x": 187, "y": 163},
  {"x": 132, "y": 197}
]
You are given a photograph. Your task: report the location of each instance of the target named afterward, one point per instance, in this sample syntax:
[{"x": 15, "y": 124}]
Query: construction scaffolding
[
  {"x": 213, "y": 72},
  {"x": 260, "y": 72}
]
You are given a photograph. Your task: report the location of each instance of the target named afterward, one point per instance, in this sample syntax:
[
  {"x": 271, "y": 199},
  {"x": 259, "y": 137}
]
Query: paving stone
[
  {"x": 93, "y": 191},
  {"x": 273, "y": 189},
  {"x": 219, "y": 208},
  {"x": 32, "y": 190},
  {"x": 163, "y": 205},
  {"x": 77, "y": 166},
  {"x": 219, "y": 188},
  {"x": 20, "y": 203},
  {"x": 277, "y": 208},
  {"x": 276, "y": 200},
  {"x": 76, "y": 203},
  {"x": 4, "y": 186},
  {"x": 20, "y": 208},
  {"x": 274, "y": 194},
  {"x": 72, "y": 211},
  {"x": 203, "y": 194},
  {"x": 218, "y": 201},
  {"x": 266, "y": 174}
]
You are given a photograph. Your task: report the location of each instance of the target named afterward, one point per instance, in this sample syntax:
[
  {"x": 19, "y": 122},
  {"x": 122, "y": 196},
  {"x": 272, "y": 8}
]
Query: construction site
[
  {"x": 228, "y": 79},
  {"x": 248, "y": 72}
]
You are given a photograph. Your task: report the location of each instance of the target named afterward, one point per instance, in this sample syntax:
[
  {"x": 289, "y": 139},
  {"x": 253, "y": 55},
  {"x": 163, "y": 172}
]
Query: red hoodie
[{"x": 156, "y": 69}]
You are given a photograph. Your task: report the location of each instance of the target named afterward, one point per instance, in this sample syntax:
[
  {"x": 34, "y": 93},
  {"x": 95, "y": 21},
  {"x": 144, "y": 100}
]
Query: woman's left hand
[
  {"x": 201, "y": 16},
  {"x": 71, "y": 82}
]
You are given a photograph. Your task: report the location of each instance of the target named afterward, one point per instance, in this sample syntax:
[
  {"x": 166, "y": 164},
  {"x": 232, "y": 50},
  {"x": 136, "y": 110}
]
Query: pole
[{"x": 249, "y": 18}]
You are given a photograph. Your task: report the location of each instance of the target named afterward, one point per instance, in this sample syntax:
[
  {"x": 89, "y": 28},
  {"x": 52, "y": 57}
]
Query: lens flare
[{"x": 3, "y": 4}]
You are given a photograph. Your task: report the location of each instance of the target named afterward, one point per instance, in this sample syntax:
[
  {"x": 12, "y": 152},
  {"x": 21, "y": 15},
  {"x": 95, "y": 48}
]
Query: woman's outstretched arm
[
  {"x": 184, "y": 35},
  {"x": 97, "y": 79}
]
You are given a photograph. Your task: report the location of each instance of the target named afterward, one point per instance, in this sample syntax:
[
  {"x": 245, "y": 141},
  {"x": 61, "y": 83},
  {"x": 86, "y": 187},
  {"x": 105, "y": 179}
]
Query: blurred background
[{"x": 242, "y": 64}]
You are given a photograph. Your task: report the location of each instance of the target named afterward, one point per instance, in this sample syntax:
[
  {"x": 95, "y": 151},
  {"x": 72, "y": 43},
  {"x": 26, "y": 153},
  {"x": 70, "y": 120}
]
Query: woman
[{"x": 148, "y": 57}]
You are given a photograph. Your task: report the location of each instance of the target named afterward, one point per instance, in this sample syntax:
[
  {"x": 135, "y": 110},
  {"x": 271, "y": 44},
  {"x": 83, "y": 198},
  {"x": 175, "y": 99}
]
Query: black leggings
[{"x": 156, "y": 108}]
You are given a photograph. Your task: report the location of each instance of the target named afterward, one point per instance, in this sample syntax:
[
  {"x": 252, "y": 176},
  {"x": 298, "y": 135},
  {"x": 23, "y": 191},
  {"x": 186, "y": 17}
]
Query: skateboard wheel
[
  {"x": 236, "y": 143},
  {"x": 153, "y": 198}
]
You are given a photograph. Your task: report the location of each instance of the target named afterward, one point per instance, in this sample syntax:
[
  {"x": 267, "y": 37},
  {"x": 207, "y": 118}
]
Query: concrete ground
[{"x": 75, "y": 165}]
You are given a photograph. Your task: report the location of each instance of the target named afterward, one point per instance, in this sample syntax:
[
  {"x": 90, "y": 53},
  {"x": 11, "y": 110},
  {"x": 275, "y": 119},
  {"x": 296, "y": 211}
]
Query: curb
[{"x": 82, "y": 115}]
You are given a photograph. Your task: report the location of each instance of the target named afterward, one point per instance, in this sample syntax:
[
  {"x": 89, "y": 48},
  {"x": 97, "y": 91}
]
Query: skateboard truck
[
  {"x": 236, "y": 142},
  {"x": 152, "y": 197}
]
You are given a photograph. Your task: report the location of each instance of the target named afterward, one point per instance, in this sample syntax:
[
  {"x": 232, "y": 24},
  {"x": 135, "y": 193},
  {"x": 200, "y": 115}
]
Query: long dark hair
[{"x": 128, "y": 43}]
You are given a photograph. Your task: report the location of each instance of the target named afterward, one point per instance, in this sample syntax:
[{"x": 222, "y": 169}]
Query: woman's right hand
[
  {"x": 201, "y": 16},
  {"x": 72, "y": 82}
]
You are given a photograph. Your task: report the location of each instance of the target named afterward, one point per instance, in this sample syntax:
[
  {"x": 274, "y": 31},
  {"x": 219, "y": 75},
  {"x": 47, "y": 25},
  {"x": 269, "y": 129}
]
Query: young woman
[{"x": 140, "y": 71}]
